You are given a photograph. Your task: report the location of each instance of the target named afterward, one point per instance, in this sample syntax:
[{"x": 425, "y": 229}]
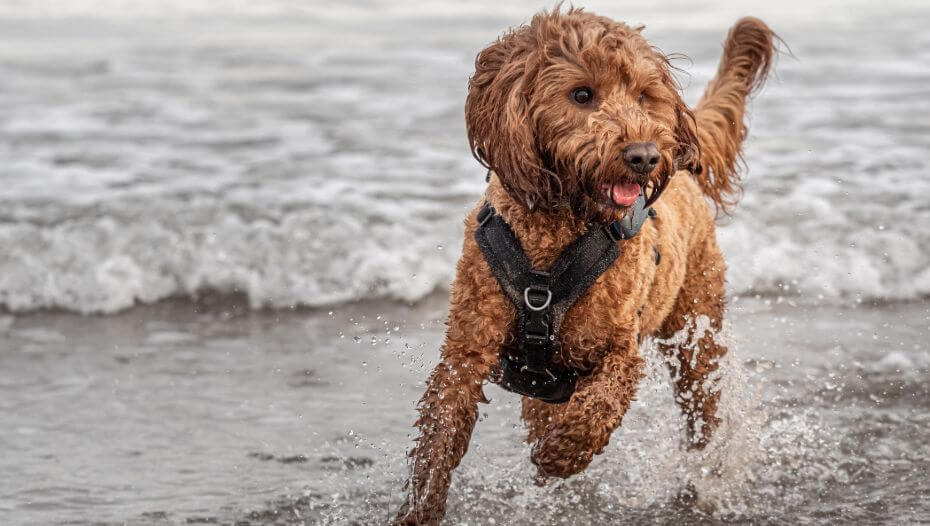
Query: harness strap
[{"x": 543, "y": 297}]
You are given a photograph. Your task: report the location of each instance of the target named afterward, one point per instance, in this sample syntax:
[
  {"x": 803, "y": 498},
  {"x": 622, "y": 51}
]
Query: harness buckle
[
  {"x": 534, "y": 288},
  {"x": 614, "y": 231},
  {"x": 537, "y": 349},
  {"x": 485, "y": 214}
]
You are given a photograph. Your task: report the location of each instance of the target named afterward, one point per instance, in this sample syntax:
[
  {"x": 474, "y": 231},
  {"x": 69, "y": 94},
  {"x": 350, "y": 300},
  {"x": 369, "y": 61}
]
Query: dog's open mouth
[{"x": 621, "y": 194}]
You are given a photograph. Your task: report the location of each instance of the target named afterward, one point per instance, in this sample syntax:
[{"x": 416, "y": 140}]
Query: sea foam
[{"x": 222, "y": 157}]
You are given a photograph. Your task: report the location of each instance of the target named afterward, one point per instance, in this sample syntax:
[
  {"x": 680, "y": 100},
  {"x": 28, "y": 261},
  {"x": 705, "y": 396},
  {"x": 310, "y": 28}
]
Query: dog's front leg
[
  {"x": 479, "y": 319},
  {"x": 583, "y": 428},
  {"x": 448, "y": 411}
]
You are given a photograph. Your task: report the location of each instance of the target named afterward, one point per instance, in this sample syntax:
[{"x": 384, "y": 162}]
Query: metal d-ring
[{"x": 526, "y": 298}]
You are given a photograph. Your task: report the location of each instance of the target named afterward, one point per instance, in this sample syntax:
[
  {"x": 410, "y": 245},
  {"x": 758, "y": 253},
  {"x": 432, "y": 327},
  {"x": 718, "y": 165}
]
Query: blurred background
[{"x": 227, "y": 230}]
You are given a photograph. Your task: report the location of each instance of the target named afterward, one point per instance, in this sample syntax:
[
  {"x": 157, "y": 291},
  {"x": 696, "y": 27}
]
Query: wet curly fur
[{"x": 551, "y": 158}]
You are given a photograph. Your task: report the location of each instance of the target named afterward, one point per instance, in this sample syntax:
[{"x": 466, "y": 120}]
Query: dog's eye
[
  {"x": 582, "y": 95},
  {"x": 642, "y": 98}
]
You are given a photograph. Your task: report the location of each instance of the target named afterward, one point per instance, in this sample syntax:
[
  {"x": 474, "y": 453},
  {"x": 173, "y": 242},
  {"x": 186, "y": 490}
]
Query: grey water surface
[
  {"x": 182, "y": 414},
  {"x": 227, "y": 231}
]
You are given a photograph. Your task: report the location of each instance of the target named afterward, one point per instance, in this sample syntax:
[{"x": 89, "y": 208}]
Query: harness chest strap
[{"x": 542, "y": 297}]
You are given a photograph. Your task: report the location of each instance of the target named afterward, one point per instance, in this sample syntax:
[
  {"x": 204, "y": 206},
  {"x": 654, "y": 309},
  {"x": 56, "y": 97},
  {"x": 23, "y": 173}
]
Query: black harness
[{"x": 543, "y": 297}]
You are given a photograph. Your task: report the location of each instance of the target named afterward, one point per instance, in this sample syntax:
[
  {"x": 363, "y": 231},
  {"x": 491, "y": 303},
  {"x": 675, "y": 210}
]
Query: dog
[{"x": 577, "y": 117}]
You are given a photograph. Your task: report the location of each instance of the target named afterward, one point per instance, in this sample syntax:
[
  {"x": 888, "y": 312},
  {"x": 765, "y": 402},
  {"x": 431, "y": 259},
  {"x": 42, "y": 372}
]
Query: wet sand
[{"x": 201, "y": 413}]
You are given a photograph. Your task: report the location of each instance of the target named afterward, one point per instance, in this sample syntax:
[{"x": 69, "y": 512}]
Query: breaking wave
[{"x": 149, "y": 164}]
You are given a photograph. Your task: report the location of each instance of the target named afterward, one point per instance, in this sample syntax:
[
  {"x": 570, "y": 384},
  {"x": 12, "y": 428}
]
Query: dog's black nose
[{"x": 641, "y": 157}]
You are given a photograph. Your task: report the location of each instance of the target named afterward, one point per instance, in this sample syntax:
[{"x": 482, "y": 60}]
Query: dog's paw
[
  {"x": 559, "y": 456},
  {"x": 692, "y": 498},
  {"x": 687, "y": 496},
  {"x": 410, "y": 516},
  {"x": 541, "y": 480},
  {"x": 404, "y": 518}
]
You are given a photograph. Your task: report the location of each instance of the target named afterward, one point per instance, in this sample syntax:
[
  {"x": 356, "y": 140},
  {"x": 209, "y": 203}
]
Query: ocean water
[
  {"x": 178, "y": 414},
  {"x": 208, "y": 211},
  {"x": 306, "y": 154}
]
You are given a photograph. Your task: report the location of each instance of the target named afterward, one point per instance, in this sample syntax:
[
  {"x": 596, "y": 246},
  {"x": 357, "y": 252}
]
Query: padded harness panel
[{"x": 543, "y": 297}]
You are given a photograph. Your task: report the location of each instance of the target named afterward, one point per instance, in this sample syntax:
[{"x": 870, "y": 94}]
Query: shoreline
[{"x": 237, "y": 304}]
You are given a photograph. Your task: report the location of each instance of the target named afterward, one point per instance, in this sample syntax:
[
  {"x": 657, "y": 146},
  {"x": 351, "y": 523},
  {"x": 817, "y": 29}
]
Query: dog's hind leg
[
  {"x": 747, "y": 58},
  {"x": 688, "y": 339}
]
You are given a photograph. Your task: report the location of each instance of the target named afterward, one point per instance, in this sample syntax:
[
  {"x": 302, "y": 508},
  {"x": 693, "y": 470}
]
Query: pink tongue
[{"x": 624, "y": 194}]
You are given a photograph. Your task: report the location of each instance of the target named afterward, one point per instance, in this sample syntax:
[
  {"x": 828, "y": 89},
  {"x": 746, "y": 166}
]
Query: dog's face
[{"x": 578, "y": 110}]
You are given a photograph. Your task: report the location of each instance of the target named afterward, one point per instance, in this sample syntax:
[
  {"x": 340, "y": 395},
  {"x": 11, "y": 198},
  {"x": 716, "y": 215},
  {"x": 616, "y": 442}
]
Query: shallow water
[
  {"x": 178, "y": 414},
  {"x": 226, "y": 157}
]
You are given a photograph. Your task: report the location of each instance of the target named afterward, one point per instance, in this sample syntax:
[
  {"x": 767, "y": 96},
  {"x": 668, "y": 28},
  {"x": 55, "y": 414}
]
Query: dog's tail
[{"x": 747, "y": 57}]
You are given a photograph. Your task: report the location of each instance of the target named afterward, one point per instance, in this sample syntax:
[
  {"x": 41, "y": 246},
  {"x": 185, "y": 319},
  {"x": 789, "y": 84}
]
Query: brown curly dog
[{"x": 554, "y": 110}]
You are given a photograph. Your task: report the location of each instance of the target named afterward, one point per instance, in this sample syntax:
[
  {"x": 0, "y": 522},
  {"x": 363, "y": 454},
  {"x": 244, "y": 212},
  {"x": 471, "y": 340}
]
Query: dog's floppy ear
[
  {"x": 686, "y": 154},
  {"x": 688, "y": 151},
  {"x": 497, "y": 119}
]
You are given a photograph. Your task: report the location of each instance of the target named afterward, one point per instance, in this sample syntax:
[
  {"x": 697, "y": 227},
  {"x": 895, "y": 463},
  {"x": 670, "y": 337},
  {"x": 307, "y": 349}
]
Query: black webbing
[{"x": 543, "y": 297}]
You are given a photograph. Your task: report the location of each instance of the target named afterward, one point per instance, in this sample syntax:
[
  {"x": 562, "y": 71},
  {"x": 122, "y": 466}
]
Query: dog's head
[{"x": 576, "y": 109}]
